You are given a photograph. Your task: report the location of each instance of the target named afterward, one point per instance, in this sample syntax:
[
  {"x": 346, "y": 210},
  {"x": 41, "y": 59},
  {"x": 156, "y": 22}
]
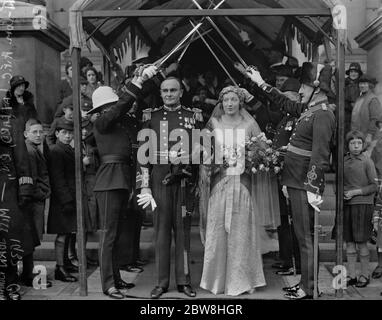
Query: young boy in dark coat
[
  {"x": 67, "y": 108},
  {"x": 62, "y": 213},
  {"x": 41, "y": 191}
]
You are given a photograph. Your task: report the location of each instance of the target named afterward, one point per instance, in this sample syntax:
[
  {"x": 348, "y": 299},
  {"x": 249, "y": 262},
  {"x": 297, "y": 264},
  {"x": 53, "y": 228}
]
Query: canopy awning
[{"x": 109, "y": 22}]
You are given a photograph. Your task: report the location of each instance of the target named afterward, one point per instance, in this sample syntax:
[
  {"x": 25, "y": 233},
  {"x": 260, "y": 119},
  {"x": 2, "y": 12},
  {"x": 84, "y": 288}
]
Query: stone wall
[{"x": 40, "y": 65}]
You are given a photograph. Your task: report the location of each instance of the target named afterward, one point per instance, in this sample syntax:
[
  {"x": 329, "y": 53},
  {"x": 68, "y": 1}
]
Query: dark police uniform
[
  {"x": 306, "y": 160},
  {"x": 113, "y": 180},
  {"x": 131, "y": 222},
  {"x": 171, "y": 186}
]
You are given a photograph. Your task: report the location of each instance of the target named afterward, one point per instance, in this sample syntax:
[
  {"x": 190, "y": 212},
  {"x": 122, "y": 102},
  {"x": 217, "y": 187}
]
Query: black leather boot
[
  {"x": 61, "y": 274},
  {"x": 71, "y": 265}
]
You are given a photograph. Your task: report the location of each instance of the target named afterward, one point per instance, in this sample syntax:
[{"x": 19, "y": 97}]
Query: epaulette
[
  {"x": 198, "y": 114},
  {"x": 147, "y": 113},
  {"x": 186, "y": 108}
]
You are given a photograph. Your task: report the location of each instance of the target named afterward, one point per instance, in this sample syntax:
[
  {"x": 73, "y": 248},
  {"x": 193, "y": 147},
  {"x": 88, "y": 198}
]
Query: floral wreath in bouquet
[{"x": 260, "y": 156}]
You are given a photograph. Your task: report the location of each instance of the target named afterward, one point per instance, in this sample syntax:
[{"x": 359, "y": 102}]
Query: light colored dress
[
  {"x": 267, "y": 196},
  {"x": 232, "y": 258}
]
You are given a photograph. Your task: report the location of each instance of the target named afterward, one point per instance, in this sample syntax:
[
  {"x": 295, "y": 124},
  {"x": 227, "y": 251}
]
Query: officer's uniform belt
[
  {"x": 299, "y": 151},
  {"x": 114, "y": 158}
]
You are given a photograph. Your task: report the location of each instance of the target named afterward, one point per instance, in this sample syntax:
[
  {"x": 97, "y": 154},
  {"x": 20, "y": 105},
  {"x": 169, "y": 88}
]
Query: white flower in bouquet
[
  {"x": 254, "y": 170},
  {"x": 232, "y": 162}
]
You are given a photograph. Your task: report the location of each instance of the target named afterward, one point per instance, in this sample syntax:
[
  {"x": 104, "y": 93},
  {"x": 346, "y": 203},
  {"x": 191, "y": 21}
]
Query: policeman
[
  {"x": 306, "y": 160},
  {"x": 113, "y": 179},
  {"x": 168, "y": 178},
  {"x": 128, "y": 243}
]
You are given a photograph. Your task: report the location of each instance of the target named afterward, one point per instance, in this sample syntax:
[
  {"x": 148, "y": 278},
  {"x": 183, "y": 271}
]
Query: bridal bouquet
[{"x": 260, "y": 156}]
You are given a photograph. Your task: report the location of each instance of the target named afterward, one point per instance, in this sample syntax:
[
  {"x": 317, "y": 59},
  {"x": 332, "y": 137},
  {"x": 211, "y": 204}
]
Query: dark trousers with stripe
[
  {"x": 128, "y": 243},
  {"x": 288, "y": 244},
  {"x": 169, "y": 218},
  {"x": 303, "y": 223},
  {"x": 111, "y": 206}
]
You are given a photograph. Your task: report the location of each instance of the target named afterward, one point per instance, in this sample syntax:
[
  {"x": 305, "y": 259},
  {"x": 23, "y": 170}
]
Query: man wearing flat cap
[{"x": 306, "y": 160}]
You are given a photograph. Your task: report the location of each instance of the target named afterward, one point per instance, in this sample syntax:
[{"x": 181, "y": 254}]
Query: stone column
[{"x": 35, "y": 54}]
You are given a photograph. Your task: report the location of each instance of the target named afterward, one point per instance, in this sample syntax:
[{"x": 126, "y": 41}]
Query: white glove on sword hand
[
  {"x": 315, "y": 200},
  {"x": 255, "y": 76},
  {"x": 285, "y": 192}
]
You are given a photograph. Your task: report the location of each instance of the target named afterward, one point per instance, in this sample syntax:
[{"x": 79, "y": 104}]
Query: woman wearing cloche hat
[
  {"x": 18, "y": 101},
  {"x": 351, "y": 91}
]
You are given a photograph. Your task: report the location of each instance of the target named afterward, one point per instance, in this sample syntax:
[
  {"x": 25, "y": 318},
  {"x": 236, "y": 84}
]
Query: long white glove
[
  {"x": 314, "y": 200},
  {"x": 255, "y": 76},
  {"x": 285, "y": 192},
  {"x": 145, "y": 200}
]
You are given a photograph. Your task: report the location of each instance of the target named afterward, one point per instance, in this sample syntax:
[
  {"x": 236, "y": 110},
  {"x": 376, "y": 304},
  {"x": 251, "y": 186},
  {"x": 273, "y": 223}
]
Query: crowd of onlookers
[{"x": 52, "y": 161}]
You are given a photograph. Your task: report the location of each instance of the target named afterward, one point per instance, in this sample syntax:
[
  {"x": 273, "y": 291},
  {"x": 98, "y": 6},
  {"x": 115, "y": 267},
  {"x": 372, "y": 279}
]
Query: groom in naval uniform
[{"x": 170, "y": 183}]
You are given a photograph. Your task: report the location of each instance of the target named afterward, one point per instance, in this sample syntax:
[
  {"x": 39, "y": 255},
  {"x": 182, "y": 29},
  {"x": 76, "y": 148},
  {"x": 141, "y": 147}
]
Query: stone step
[
  {"x": 45, "y": 252},
  {"x": 327, "y": 251}
]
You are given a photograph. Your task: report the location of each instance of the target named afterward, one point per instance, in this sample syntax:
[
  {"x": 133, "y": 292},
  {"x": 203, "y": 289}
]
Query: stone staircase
[{"x": 326, "y": 219}]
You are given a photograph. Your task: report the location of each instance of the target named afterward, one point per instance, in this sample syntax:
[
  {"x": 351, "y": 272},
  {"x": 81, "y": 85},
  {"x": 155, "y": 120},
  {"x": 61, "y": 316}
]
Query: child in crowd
[
  {"x": 62, "y": 214},
  {"x": 34, "y": 136},
  {"x": 67, "y": 108},
  {"x": 360, "y": 186}
]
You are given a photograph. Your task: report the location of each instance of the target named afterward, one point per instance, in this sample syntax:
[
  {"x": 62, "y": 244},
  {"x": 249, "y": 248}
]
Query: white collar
[{"x": 172, "y": 108}]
